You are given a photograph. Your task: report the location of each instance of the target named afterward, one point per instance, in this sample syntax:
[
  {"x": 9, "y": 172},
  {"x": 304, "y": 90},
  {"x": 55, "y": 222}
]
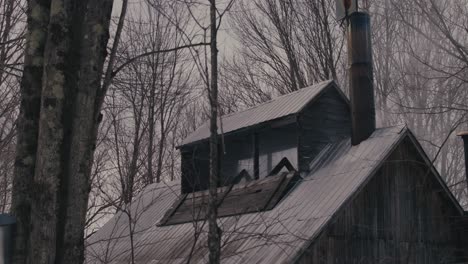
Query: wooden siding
[
  {"x": 275, "y": 144},
  {"x": 403, "y": 215},
  {"x": 324, "y": 121},
  {"x": 238, "y": 156},
  {"x": 195, "y": 168}
]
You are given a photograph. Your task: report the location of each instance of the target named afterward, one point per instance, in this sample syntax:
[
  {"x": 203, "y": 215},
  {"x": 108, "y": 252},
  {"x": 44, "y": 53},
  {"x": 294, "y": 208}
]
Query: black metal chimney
[
  {"x": 361, "y": 89},
  {"x": 464, "y": 136}
]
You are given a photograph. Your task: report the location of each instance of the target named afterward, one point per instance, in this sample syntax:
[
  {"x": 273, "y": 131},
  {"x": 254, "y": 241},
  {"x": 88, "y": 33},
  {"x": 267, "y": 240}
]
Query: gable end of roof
[{"x": 405, "y": 133}]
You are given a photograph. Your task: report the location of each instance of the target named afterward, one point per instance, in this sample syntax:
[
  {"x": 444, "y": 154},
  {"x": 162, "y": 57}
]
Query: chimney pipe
[
  {"x": 464, "y": 136},
  {"x": 360, "y": 77}
]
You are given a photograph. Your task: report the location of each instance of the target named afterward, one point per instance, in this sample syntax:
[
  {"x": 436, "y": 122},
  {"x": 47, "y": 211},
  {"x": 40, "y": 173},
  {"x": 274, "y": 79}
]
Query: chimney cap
[{"x": 462, "y": 133}]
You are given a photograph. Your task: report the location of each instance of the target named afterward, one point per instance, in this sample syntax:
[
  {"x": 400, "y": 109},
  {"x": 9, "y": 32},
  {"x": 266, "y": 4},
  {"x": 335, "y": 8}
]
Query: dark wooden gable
[
  {"x": 404, "y": 213},
  {"x": 324, "y": 121}
]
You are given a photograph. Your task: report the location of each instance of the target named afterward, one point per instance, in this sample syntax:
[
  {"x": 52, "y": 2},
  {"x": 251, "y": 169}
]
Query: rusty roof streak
[
  {"x": 282, "y": 106},
  {"x": 274, "y": 236}
]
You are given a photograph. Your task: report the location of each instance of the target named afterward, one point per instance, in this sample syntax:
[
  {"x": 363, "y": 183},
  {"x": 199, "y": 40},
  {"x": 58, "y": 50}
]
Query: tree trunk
[
  {"x": 58, "y": 127},
  {"x": 162, "y": 142},
  {"x": 214, "y": 235},
  {"x": 50, "y": 148},
  {"x": 83, "y": 132},
  {"x": 150, "y": 177},
  {"x": 28, "y": 123}
]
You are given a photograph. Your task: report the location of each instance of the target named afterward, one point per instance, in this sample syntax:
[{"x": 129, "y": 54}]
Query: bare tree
[
  {"x": 419, "y": 59},
  {"x": 11, "y": 49},
  {"x": 214, "y": 235},
  {"x": 142, "y": 111},
  {"x": 287, "y": 45},
  {"x": 421, "y": 74}
]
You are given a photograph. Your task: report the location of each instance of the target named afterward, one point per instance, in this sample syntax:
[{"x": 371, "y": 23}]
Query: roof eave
[{"x": 252, "y": 127}]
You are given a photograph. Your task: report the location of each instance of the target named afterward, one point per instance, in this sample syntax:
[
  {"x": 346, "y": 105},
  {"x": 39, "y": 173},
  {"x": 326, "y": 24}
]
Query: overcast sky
[{"x": 226, "y": 43}]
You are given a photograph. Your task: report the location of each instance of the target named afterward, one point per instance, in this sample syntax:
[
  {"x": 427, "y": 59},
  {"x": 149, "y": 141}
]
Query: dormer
[{"x": 292, "y": 128}]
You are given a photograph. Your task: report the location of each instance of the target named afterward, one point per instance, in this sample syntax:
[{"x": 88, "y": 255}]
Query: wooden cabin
[
  {"x": 305, "y": 178},
  {"x": 380, "y": 201}
]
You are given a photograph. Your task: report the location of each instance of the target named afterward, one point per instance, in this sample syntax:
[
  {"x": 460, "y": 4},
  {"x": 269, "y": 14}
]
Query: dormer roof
[{"x": 281, "y": 107}]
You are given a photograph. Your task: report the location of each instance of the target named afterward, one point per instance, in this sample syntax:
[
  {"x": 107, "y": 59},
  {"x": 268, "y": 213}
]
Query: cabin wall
[
  {"x": 401, "y": 216},
  {"x": 325, "y": 120},
  {"x": 276, "y": 143},
  {"x": 195, "y": 166},
  {"x": 237, "y": 156}
]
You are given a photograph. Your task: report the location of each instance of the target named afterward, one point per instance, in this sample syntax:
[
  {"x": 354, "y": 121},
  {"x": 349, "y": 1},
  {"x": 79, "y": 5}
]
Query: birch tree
[{"x": 62, "y": 91}]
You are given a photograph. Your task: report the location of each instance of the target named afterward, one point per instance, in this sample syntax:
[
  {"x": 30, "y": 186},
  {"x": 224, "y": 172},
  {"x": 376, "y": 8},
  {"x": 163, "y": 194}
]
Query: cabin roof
[
  {"x": 274, "y": 236},
  {"x": 280, "y": 107}
]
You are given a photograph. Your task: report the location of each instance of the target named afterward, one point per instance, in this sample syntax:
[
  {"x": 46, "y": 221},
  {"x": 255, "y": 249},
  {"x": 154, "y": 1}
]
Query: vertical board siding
[
  {"x": 325, "y": 121},
  {"x": 195, "y": 165},
  {"x": 401, "y": 216},
  {"x": 237, "y": 155},
  {"x": 274, "y": 145}
]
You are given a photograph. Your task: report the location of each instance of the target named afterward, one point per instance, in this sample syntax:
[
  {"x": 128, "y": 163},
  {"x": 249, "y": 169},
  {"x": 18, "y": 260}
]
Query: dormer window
[
  {"x": 247, "y": 196},
  {"x": 295, "y": 126}
]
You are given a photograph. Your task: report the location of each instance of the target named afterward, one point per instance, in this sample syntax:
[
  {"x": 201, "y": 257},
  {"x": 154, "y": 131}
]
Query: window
[{"x": 242, "y": 198}]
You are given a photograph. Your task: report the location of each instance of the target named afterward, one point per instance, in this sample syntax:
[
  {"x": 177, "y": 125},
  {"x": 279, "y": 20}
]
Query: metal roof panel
[{"x": 281, "y": 106}]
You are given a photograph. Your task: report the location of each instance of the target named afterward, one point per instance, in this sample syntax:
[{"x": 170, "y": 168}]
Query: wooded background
[{"x": 266, "y": 48}]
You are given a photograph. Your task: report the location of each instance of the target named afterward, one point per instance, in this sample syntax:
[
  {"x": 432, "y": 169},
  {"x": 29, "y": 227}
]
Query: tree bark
[
  {"x": 66, "y": 50},
  {"x": 28, "y": 123},
  {"x": 151, "y": 116},
  {"x": 84, "y": 126},
  {"x": 49, "y": 168}
]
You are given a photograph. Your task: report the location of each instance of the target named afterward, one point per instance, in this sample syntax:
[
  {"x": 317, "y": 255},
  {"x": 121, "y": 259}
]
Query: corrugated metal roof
[
  {"x": 274, "y": 236},
  {"x": 279, "y": 107}
]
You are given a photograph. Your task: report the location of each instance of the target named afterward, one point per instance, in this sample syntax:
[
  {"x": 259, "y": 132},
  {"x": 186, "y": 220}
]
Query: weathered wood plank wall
[
  {"x": 274, "y": 143},
  {"x": 325, "y": 120},
  {"x": 401, "y": 216}
]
